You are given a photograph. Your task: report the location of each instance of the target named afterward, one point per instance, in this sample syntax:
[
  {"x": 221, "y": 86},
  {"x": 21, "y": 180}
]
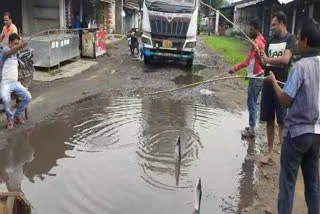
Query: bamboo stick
[{"x": 206, "y": 82}]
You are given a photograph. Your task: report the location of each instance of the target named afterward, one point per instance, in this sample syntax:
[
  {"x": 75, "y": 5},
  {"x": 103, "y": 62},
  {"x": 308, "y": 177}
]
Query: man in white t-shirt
[{"x": 9, "y": 82}]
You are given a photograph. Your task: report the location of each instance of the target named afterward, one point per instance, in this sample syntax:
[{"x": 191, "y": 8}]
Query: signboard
[
  {"x": 100, "y": 43},
  {"x": 94, "y": 44}
]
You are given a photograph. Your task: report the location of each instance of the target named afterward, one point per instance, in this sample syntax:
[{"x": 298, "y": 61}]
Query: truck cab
[{"x": 170, "y": 29}]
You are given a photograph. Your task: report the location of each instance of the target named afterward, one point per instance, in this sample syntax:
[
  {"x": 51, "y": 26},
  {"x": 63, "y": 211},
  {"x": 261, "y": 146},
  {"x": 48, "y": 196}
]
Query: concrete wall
[{"x": 39, "y": 15}]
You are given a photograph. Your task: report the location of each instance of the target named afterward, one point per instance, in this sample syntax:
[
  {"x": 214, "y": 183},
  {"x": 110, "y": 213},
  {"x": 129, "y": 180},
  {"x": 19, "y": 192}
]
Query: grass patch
[{"x": 233, "y": 49}]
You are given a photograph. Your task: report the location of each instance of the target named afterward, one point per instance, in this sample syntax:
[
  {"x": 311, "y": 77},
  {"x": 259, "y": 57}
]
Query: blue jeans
[
  {"x": 300, "y": 151},
  {"x": 254, "y": 89},
  {"x": 9, "y": 87}
]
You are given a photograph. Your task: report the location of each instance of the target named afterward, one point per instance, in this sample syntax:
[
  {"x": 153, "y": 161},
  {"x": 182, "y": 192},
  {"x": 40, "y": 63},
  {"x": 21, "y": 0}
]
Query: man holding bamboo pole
[
  {"x": 254, "y": 69},
  {"x": 276, "y": 58},
  {"x": 301, "y": 146}
]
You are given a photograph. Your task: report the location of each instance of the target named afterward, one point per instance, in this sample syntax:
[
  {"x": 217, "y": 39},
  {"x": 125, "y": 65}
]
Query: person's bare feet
[
  {"x": 19, "y": 120},
  {"x": 267, "y": 159},
  {"x": 10, "y": 124}
]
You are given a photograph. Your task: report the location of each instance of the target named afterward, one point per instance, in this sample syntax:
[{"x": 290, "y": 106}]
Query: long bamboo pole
[{"x": 206, "y": 82}]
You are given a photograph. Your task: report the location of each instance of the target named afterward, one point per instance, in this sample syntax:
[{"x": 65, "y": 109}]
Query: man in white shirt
[{"x": 9, "y": 82}]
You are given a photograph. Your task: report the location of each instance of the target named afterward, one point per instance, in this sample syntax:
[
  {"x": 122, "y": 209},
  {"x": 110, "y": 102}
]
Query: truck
[{"x": 169, "y": 29}]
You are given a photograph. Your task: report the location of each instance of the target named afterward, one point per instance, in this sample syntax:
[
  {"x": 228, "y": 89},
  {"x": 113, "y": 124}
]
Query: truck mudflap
[{"x": 171, "y": 54}]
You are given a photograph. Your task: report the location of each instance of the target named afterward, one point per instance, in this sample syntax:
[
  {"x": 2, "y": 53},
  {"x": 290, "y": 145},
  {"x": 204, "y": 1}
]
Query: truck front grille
[
  {"x": 178, "y": 27},
  {"x": 175, "y": 44}
]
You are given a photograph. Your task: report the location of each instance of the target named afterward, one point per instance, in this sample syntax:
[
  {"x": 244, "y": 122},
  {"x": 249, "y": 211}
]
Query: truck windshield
[{"x": 171, "y": 5}]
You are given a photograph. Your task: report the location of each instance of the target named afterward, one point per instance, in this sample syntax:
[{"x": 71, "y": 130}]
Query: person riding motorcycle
[{"x": 133, "y": 40}]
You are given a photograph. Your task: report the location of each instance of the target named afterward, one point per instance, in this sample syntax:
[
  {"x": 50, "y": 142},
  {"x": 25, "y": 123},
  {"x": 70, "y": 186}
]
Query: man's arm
[
  {"x": 281, "y": 60},
  {"x": 15, "y": 49},
  {"x": 287, "y": 55},
  {"x": 245, "y": 63},
  {"x": 261, "y": 62},
  {"x": 290, "y": 90},
  {"x": 1, "y": 37},
  {"x": 284, "y": 99}
]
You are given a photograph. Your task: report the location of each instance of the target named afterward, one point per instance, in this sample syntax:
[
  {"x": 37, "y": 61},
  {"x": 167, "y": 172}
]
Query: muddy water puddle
[
  {"x": 174, "y": 66},
  {"x": 187, "y": 79},
  {"x": 117, "y": 155}
]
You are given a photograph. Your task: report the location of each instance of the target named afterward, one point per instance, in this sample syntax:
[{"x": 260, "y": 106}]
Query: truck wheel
[{"x": 189, "y": 63}]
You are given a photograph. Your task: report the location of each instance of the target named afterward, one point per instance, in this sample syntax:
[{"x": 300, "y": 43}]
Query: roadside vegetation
[{"x": 233, "y": 49}]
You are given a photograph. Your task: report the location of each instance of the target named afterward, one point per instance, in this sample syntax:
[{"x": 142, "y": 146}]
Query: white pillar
[
  {"x": 122, "y": 19},
  {"x": 81, "y": 10},
  {"x": 62, "y": 13},
  {"x": 217, "y": 22},
  {"x": 311, "y": 7},
  {"x": 25, "y": 17},
  {"x": 294, "y": 19}
]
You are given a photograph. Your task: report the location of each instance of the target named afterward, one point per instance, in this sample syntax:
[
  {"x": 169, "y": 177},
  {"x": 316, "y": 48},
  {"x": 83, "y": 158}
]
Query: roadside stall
[
  {"x": 94, "y": 43},
  {"x": 94, "y": 40}
]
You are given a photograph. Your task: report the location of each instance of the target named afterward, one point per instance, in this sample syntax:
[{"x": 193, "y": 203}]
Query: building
[
  {"x": 33, "y": 16},
  {"x": 131, "y": 19},
  {"x": 242, "y": 12},
  {"x": 13, "y": 6}
]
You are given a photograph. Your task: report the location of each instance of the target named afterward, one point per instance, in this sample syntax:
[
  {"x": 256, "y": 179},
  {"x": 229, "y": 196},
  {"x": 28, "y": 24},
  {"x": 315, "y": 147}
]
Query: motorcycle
[{"x": 26, "y": 67}]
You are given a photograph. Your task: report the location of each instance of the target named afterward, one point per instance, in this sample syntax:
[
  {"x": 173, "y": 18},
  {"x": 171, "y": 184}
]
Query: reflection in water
[
  {"x": 117, "y": 155},
  {"x": 247, "y": 177},
  {"x": 187, "y": 79},
  {"x": 165, "y": 122},
  {"x": 12, "y": 160},
  {"x": 177, "y": 171}
]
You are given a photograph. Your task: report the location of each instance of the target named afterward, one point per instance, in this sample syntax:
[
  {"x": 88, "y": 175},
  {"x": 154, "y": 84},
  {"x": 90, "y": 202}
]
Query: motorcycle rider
[{"x": 134, "y": 44}]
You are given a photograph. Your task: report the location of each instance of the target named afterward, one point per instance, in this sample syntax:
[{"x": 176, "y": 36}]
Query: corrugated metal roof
[
  {"x": 285, "y": 1},
  {"x": 131, "y": 4},
  {"x": 108, "y": 1},
  {"x": 235, "y": 4},
  {"x": 247, "y": 4}
]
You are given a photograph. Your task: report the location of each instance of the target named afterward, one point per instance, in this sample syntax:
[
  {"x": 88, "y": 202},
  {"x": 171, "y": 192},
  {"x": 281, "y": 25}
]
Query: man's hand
[
  {"x": 1, "y": 37},
  {"x": 21, "y": 64},
  {"x": 264, "y": 57},
  {"x": 24, "y": 44},
  {"x": 271, "y": 79},
  {"x": 15, "y": 49},
  {"x": 232, "y": 71},
  {"x": 255, "y": 46},
  {"x": 284, "y": 99}
]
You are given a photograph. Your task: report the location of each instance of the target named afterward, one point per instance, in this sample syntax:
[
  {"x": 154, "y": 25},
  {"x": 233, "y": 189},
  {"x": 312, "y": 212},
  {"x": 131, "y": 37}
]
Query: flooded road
[{"x": 117, "y": 155}]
